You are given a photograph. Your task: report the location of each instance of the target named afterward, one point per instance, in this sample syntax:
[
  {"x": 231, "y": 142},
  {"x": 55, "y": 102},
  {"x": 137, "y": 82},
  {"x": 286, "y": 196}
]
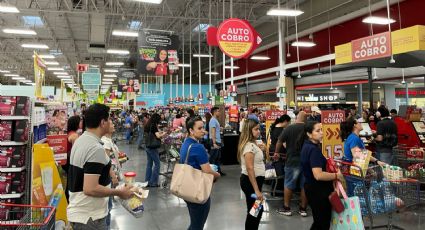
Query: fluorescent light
[
  {"x": 184, "y": 65},
  {"x": 211, "y": 73},
  {"x": 18, "y": 78},
  {"x": 4, "y": 71},
  {"x": 378, "y": 20},
  {"x": 110, "y": 70},
  {"x": 258, "y": 57},
  {"x": 26, "y": 81},
  {"x": 110, "y": 75},
  {"x": 68, "y": 80},
  {"x": 125, "y": 33},
  {"x": 63, "y": 76},
  {"x": 284, "y": 12},
  {"x": 60, "y": 73},
  {"x": 11, "y": 75},
  {"x": 55, "y": 69},
  {"x": 46, "y": 56},
  {"x": 106, "y": 83},
  {"x": 34, "y": 46},
  {"x": 229, "y": 67},
  {"x": 115, "y": 51},
  {"x": 51, "y": 63},
  {"x": 303, "y": 44},
  {"x": 7, "y": 8},
  {"x": 94, "y": 66},
  {"x": 19, "y": 31},
  {"x": 202, "y": 55},
  {"x": 108, "y": 79},
  {"x": 31, "y": 83},
  {"x": 114, "y": 63},
  {"x": 149, "y": 1}
]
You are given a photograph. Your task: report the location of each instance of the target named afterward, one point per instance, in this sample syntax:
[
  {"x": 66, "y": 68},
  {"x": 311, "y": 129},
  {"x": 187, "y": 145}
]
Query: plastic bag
[{"x": 135, "y": 205}]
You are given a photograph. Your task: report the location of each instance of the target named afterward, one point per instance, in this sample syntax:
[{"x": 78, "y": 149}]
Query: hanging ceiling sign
[
  {"x": 323, "y": 97},
  {"x": 235, "y": 37},
  {"x": 372, "y": 47}
]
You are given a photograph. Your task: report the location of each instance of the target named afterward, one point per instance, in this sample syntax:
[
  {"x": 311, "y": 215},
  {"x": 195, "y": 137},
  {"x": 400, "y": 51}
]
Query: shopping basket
[{"x": 21, "y": 217}]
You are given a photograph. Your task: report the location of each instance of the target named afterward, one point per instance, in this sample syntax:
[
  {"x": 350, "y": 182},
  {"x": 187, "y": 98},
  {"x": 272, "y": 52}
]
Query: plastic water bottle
[
  {"x": 256, "y": 207},
  {"x": 214, "y": 167}
]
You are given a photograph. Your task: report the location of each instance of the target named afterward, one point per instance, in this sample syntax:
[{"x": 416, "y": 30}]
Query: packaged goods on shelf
[
  {"x": 14, "y": 106},
  {"x": 392, "y": 172},
  {"x": 8, "y": 212},
  {"x": 415, "y": 154},
  {"x": 13, "y": 156},
  {"x": 22, "y": 106},
  {"x": 5, "y": 130},
  {"x": 12, "y": 182},
  {"x": 21, "y": 131}
]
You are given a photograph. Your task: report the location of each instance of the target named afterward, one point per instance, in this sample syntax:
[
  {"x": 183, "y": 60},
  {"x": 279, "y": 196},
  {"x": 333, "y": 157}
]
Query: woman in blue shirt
[
  {"x": 318, "y": 183},
  {"x": 198, "y": 159}
]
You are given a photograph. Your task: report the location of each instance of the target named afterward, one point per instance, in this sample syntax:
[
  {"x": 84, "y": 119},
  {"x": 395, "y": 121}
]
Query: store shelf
[
  {"x": 10, "y": 118},
  {"x": 11, "y": 143},
  {"x": 41, "y": 141},
  {"x": 8, "y": 170},
  {"x": 11, "y": 196},
  {"x": 40, "y": 123}
]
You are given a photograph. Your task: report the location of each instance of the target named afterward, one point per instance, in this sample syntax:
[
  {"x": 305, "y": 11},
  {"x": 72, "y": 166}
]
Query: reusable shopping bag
[
  {"x": 191, "y": 184},
  {"x": 350, "y": 218},
  {"x": 270, "y": 171},
  {"x": 334, "y": 199}
]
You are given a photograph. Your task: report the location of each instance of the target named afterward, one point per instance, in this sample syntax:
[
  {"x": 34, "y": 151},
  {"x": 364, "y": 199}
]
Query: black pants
[
  {"x": 317, "y": 195},
  {"x": 251, "y": 222}
]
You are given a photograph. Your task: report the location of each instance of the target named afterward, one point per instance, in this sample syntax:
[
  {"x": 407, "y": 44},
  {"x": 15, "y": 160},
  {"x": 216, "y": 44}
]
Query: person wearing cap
[{"x": 315, "y": 114}]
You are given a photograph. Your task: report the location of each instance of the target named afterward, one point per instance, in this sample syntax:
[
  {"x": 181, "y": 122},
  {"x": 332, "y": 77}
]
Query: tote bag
[
  {"x": 350, "y": 218},
  {"x": 191, "y": 184}
]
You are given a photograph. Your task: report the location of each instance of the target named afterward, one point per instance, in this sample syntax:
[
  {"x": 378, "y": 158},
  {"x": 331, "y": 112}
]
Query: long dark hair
[
  {"x": 73, "y": 123},
  {"x": 153, "y": 121},
  {"x": 346, "y": 128},
  {"x": 278, "y": 120},
  {"x": 308, "y": 128}
]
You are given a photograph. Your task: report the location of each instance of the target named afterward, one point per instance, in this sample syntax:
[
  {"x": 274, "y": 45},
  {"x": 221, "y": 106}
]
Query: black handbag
[{"x": 152, "y": 142}]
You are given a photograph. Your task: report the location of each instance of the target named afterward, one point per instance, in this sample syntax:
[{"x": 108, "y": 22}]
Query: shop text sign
[
  {"x": 372, "y": 47},
  {"x": 328, "y": 97},
  {"x": 412, "y": 92},
  {"x": 332, "y": 142},
  {"x": 235, "y": 37}
]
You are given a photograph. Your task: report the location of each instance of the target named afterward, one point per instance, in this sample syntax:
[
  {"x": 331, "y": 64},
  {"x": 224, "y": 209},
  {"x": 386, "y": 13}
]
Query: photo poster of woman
[
  {"x": 128, "y": 82},
  {"x": 56, "y": 118},
  {"x": 157, "y": 53}
]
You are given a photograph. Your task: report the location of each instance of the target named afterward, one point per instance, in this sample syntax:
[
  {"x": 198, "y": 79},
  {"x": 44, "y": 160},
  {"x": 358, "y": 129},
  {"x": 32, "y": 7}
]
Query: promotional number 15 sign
[{"x": 332, "y": 143}]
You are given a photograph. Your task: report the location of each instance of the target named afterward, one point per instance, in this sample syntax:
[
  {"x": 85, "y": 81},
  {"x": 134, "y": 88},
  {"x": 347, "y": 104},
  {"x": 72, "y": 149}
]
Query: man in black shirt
[
  {"x": 293, "y": 171},
  {"x": 386, "y": 136}
]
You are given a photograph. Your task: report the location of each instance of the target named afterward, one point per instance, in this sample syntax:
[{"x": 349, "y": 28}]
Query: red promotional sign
[
  {"x": 235, "y": 37},
  {"x": 372, "y": 47},
  {"x": 233, "y": 113},
  {"x": 272, "y": 115},
  {"x": 332, "y": 143},
  {"x": 333, "y": 117},
  {"x": 82, "y": 67},
  {"x": 59, "y": 144}
]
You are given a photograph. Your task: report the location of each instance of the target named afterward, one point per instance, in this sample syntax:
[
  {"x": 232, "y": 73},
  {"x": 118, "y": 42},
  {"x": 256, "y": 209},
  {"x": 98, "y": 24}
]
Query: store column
[
  {"x": 389, "y": 94},
  {"x": 360, "y": 98},
  {"x": 281, "y": 83}
]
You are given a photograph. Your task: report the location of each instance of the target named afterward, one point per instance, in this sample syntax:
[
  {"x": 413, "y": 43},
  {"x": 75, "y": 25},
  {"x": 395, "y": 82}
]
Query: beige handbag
[{"x": 191, "y": 184}]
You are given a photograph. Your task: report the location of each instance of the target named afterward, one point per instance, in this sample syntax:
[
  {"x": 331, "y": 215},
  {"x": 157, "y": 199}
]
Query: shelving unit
[
  {"x": 14, "y": 118},
  {"x": 12, "y": 170},
  {"x": 12, "y": 143},
  {"x": 11, "y": 195}
]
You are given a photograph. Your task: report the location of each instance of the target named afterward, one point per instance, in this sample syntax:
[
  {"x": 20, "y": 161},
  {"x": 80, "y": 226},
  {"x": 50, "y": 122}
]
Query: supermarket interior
[{"x": 212, "y": 114}]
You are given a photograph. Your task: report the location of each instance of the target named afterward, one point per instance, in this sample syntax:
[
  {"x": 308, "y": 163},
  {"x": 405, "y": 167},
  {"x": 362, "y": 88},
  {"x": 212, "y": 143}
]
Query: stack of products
[
  {"x": 416, "y": 171},
  {"x": 361, "y": 159},
  {"x": 415, "y": 154},
  {"x": 14, "y": 106},
  {"x": 392, "y": 172}
]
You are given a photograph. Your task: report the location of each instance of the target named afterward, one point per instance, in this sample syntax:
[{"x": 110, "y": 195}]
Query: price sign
[{"x": 332, "y": 143}]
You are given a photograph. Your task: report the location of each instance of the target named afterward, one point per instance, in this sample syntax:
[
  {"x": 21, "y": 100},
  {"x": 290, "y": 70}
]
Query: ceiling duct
[{"x": 97, "y": 33}]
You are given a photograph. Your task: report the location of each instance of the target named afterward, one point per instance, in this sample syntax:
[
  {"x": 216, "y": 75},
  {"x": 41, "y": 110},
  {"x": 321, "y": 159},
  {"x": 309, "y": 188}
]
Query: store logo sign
[
  {"x": 331, "y": 97},
  {"x": 372, "y": 47}
]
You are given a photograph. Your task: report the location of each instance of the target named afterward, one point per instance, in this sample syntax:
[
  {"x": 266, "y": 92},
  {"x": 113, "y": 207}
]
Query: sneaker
[
  {"x": 303, "y": 212},
  {"x": 285, "y": 211}
]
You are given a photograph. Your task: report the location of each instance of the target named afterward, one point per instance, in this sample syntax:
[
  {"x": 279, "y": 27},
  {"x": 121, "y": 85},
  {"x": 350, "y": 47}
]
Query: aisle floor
[{"x": 163, "y": 211}]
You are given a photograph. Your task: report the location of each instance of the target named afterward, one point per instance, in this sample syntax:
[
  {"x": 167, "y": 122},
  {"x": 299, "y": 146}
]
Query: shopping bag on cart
[{"x": 350, "y": 218}]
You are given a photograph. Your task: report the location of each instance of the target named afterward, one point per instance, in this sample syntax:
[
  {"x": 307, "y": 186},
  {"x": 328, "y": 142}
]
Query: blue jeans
[
  {"x": 140, "y": 137},
  {"x": 291, "y": 177},
  {"x": 385, "y": 157},
  {"x": 152, "y": 175},
  {"x": 215, "y": 157},
  {"x": 128, "y": 134},
  {"x": 108, "y": 217},
  {"x": 198, "y": 214}
]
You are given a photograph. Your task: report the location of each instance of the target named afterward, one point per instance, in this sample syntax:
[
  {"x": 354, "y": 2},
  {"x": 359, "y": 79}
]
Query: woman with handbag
[
  {"x": 251, "y": 157},
  {"x": 198, "y": 159},
  {"x": 318, "y": 183},
  {"x": 153, "y": 142}
]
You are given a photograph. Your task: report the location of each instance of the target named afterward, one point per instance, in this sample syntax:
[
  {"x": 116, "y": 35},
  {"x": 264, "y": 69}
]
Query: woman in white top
[{"x": 251, "y": 157}]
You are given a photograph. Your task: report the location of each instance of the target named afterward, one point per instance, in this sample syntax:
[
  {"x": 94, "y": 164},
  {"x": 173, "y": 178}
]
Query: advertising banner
[
  {"x": 150, "y": 100},
  {"x": 128, "y": 81},
  {"x": 234, "y": 113},
  {"x": 39, "y": 73},
  {"x": 371, "y": 47},
  {"x": 91, "y": 78},
  {"x": 332, "y": 145},
  {"x": 320, "y": 97},
  {"x": 271, "y": 116},
  {"x": 59, "y": 144},
  {"x": 157, "y": 53}
]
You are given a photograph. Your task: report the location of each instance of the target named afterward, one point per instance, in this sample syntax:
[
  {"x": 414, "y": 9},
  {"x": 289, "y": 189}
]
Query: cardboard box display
[
  {"x": 12, "y": 156},
  {"x": 21, "y": 130},
  {"x": 22, "y": 106},
  {"x": 5, "y": 130},
  {"x": 7, "y": 105}
]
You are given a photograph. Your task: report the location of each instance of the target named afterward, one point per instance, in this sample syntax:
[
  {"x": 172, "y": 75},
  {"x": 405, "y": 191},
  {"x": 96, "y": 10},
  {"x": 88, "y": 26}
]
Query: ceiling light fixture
[
  {"x": 7, "y": 8},
  {"x": 378, "y": 20},
  {"x": 114, "y": 63},
  {"x": 18, "y": 78},
  {"x": 125, "y": 33},
  {"x": 149, "y": 1},
  {"x": 259, "y": 57},
  {"x": 34, "y": 46},
  {"x": 63, "y": 77},
  {"x": 55, "y": 69},
  {"x": 202, "y": 55},
  {"x": 51, "y": 63},
  {"x": 230, "y": 67},
  {"x": 116, "y": 51},
  {"x": 108, "y": 79},
  {"x": 106, "y": 83},
  {"x": 68, "y": 81},
  {"x": 284, "y": 12},
  {"x": 11, "y": 75},
  {"x": 411, "y": 82},
  {"x": 4, "y": 71},
  {"x": 46, "y": 56},
  {"x": 26, "y": 81},
  {"x": 184, "y": 65},
  {"x": 19, "y": 31},
  {"x": 110, "y": 75},
  {"x": 60, "y": 73},
  {"x": 110, "y": 70},
  {"x": 303, "y": 44},
  {"x": 211, "y": 73}
]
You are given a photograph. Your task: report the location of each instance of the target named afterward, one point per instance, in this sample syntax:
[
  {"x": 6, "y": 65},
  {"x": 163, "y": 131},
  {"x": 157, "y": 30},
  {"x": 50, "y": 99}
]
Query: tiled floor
[{"x": 166, "y": 212}]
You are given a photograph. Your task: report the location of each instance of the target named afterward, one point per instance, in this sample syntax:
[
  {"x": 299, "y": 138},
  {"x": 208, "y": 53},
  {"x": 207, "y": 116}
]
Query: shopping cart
[
  {"x": 21, "y": 217},
  {"x": 379, "y": 195}
]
